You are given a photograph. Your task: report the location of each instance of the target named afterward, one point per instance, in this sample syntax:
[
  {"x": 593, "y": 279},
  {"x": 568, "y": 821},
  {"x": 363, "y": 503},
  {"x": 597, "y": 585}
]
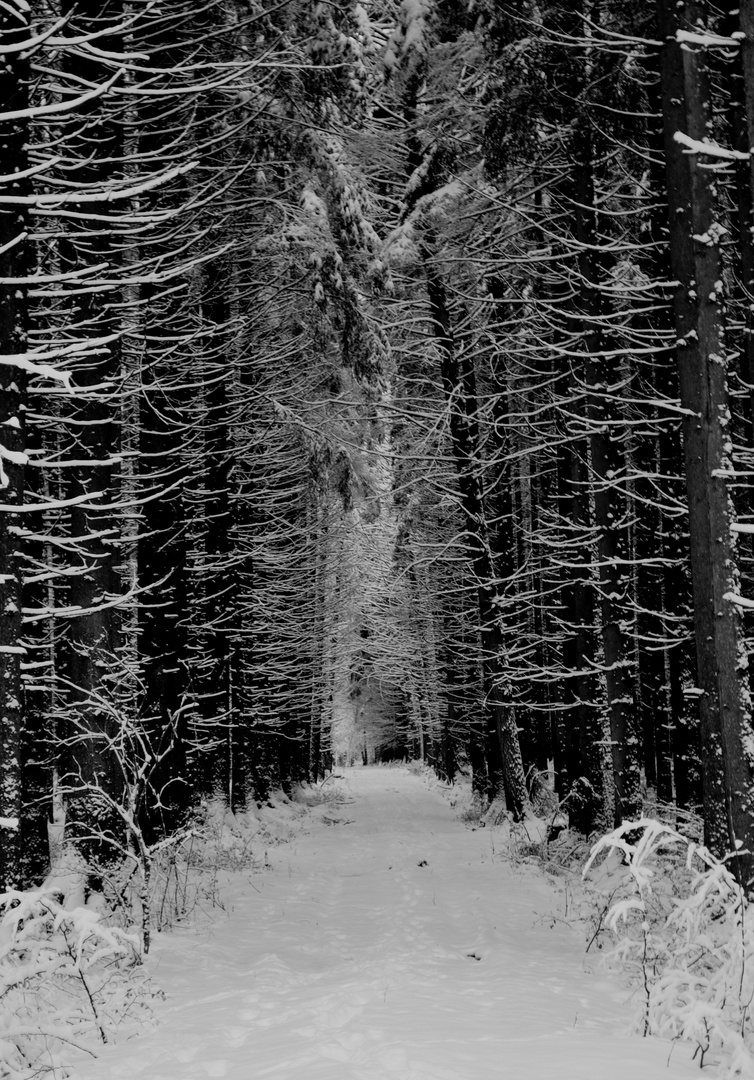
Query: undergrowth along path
[{"x": 388, "y": 942}]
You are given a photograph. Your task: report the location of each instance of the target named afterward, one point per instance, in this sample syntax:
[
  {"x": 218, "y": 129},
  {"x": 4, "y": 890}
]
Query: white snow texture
[{"x": 388, "y": 945}]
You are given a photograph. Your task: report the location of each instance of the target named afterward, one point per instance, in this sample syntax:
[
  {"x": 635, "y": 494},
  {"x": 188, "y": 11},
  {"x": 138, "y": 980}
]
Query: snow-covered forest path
[{"x": 393, "y": 946}]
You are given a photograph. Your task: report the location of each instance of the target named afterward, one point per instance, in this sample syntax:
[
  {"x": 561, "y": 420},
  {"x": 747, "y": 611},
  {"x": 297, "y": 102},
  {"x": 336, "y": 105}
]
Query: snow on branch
[
  {"x": 50, "y": 504},
  {"x": 104, "y": 194},
  {"x": 33, "y": 170},
  {"x": 21, "y": 5},
  {"x": 49, "y": 279},
  {"x": 740, "y": 601},
  {"x": 711, "y": 149},
  {"x": 107, "y": 31},
  {"x": 31, "y": 43},
  {"x": 69, "y": 105},
  {"x": 688, "y": 37},
  {"x": 126, "y": 504},
  {"x": 17, "y": 457},
  {"x": 105, "y": 603},
  {"x": 35, "y": 362},
  {"x": 45, "y": 371}
]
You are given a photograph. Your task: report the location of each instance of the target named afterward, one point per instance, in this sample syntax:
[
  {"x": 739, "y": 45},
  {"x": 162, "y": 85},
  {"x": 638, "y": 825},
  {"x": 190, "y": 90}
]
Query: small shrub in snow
[
  {"x": 67, "y": 981},
  {"x": 186, "y": 872},
  {"x": 544, "y": 800},
  {"x": 70, "y": 965},
  {"x": 682, "y": 926},
  {"x": 469, "y": 806},
  {"x": 309, "y": 795}
]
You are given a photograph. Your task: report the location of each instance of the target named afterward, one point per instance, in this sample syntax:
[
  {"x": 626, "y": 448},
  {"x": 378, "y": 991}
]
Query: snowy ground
[{"x": 388, "y": 946}]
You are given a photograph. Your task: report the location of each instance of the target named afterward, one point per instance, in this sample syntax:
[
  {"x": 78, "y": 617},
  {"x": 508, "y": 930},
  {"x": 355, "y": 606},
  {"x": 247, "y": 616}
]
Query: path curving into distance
[{"x": 390, "y": 947}]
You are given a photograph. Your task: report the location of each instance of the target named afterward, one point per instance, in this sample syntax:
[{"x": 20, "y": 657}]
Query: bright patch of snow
[{"x": 391, "y": 941}]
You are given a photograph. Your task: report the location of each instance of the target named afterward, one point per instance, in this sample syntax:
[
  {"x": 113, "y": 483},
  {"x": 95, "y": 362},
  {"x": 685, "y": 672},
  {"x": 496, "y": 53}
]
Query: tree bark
[
  {"x": 460, "y": 392},
  {"x": 601, "y": 378},
  {"x": 95, "y": 151},
  {"x": 14, "y": 266},
  {"x": 701, "y": 354}
]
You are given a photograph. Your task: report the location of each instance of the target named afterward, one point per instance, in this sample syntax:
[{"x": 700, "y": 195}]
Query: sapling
[
  {"x": 127, "y": 854},
  {"x": 683, "y": 925},
  {"x": 67, "y": 980}
]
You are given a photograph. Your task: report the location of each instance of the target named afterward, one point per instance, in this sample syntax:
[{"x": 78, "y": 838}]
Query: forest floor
[{"x": 388, "y": 941}]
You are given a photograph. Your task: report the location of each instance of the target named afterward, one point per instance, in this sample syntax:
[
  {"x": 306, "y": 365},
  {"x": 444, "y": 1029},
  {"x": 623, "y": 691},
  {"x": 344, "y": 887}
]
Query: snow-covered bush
[
  {"x": 684, "y": 929},
  {"x": 187, "y": 872},
  {"x": 68, "y": 982},
  {"x": 71, "y": 974}
]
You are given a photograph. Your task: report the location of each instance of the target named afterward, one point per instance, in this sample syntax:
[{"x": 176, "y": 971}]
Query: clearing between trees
[{"x": 392, "y": 941}]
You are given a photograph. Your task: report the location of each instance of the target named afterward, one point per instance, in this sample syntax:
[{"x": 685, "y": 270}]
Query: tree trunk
[
  {"x": 460, "y": 393},
  {"x": 94, "y": 774},
  {"x": 743, "y": 134},
  {"x": 14, "y": 267},
  {"x": 666, "y": 589},
  {"x": 602, "y": 377},
  {"x": 698, "y": 303}
]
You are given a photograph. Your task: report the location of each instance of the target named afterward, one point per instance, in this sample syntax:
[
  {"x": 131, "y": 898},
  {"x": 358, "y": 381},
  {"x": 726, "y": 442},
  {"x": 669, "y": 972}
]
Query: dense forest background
[{"x": 377, "y": 381}]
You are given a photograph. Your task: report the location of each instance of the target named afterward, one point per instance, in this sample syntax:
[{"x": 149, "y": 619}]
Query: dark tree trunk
[
  {"x": 601, "y": 382},
  {"x": 702, "y": 362},
  {"x": 583, "y": 761},
  {"x": 460, "y": 392},
  {"x": 14, "y": 268},
  {"x": 743, "y": 135},
  {"x": 666, "y": 623},
  {"x": 94, "y": 773},
  {"x": 162, "y": 574}
]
